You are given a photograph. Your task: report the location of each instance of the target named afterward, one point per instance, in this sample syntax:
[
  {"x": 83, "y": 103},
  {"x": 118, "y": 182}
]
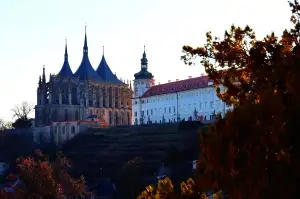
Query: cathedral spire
[
  {"x": 85, "y": 47},
  {"x": 66, "y": 50},
  {"x": 65, "y": 70},
  {"x": 44, "y": 76}
]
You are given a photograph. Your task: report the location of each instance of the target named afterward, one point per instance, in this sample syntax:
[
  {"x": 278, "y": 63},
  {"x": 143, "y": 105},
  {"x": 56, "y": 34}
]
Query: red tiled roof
[{"x": 178, "y": 86}]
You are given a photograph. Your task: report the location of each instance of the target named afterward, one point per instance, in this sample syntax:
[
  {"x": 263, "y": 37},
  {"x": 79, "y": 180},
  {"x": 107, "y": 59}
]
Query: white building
[{"x": 189, "y": 99}]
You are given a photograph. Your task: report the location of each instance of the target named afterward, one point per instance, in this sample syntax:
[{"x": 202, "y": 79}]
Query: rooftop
[{"x": 178, "y": 86}]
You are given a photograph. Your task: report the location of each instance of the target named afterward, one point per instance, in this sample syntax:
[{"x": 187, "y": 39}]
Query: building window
[
  {"x": 174, "y": 109},
  {"x": 169, "y": 109},
  {"x": 165, "y": 109},
  {"x": 151, "y": 111},
  {"x": 205, "y": 104},
  {"x": 147, "y": 113},
  {"x": 66, "y": 114},
  {"x": 211, "y": 104},
  {"x": 142, "y": 113},
  {"x": 76, "y": 115},
  {"x": 200, "y": 106},
  {"x": 135, "y": 114},
  {"x": 73, "y": 130}
]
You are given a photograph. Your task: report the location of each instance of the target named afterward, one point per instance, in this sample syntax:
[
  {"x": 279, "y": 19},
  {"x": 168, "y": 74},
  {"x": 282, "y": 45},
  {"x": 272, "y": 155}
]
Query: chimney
[
  {"x": 169, "y": 81},
  {"x": 177, "y": 80},
  {"x": 190, "y": 77}
]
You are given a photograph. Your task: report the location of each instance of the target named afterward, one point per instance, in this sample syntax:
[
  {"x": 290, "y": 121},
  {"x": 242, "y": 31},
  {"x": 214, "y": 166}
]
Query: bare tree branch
[{"x": 22, "y": 110}]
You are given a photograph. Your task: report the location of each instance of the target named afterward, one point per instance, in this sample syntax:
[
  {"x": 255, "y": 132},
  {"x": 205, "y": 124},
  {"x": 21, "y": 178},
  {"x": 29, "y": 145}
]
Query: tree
[
  {"x": 5, "y": 125},
  {"x": 165, "y": 189},
  {"x": 21, "y": 112},
  {"x": 254, "y": 151},
  {"x": 21, "y": 123},
  {"x": 44, "y": 179}
]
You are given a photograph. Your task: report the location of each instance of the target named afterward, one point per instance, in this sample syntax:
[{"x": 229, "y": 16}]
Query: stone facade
[
  {"x": 68, "y": 97},
  {"x": 65, "y": 99}
]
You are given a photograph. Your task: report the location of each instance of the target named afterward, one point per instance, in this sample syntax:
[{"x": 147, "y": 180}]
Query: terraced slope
[{"x": 105, "y": 151}]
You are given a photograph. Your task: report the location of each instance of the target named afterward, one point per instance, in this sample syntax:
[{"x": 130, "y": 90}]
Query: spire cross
[
  {"x": 144, "y": 48},
  {"x": 85, "y": 27},
  {"x": 103, "y": 49}
]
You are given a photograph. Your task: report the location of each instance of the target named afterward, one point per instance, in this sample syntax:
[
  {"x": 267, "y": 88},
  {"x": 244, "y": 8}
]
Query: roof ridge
[{"x": 177, "y": 86}]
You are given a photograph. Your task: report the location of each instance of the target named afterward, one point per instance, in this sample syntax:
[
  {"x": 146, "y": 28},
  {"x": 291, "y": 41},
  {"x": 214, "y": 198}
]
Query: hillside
[{"x": 102, "y": 152}]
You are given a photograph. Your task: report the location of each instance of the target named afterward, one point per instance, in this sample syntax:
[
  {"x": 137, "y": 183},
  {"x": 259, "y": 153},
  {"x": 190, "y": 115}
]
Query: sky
[{"x": 33, "y": 34}]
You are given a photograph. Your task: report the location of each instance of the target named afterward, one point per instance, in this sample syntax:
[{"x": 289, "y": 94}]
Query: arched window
[
  {"x": 117, "y": 118},
  {"x": 66, "y": 114},
  {"x": 73, "y": 129},
  {"x": 76, "y": 115},
  {"x": 128, "y": 118},
  {"x": 110, "y": 118}
]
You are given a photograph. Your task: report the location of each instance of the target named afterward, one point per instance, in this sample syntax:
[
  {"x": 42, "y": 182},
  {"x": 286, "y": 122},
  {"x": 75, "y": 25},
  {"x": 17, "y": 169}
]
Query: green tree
[{"x": 254, "y": 151}]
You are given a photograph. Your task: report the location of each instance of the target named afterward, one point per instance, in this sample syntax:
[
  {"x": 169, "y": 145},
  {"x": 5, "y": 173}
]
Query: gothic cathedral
[{"x": 87, "y": 92}]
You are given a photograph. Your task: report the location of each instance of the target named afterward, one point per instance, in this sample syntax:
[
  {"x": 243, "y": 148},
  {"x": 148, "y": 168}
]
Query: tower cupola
[{"x": 144, "y": 73}]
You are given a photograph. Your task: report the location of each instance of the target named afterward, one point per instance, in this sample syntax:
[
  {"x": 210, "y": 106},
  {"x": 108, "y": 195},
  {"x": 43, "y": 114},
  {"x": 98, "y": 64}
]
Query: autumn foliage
[
  {"x": 165, "y": 190},
  {"x": 44, "y": 179},
  {"x": 254, "y": 151}
]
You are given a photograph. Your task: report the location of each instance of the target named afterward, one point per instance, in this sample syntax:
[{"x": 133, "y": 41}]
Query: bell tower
[{"x": 143, "y": 80}]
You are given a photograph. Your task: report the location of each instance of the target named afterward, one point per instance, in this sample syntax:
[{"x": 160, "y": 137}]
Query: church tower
[{"x": 143, "y": 80}]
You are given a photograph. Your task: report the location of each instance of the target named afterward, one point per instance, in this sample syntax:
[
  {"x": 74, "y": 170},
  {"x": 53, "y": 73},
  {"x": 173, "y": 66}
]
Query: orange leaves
[{"x": 43, "y": 178}]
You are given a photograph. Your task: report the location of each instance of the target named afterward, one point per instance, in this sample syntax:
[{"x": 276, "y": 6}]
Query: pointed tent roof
[
  {"x": 105, "y": 72},
  {"x": 86, "y": 70},
  {"x": 65, "y": 70}
]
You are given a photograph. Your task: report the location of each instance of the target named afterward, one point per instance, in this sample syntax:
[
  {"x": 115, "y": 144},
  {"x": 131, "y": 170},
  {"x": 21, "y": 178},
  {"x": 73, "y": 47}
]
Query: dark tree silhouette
[
  {"x": 254, "y": 151},
  {"x": 20, "y": 112}
]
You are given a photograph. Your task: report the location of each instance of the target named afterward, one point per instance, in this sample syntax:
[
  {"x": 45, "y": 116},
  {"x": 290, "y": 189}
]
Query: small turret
[{"x": 40, "y": 81}]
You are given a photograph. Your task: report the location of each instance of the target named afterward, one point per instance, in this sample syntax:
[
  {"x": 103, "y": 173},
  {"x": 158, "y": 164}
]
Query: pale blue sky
[{"x": 33, "y": 33}]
